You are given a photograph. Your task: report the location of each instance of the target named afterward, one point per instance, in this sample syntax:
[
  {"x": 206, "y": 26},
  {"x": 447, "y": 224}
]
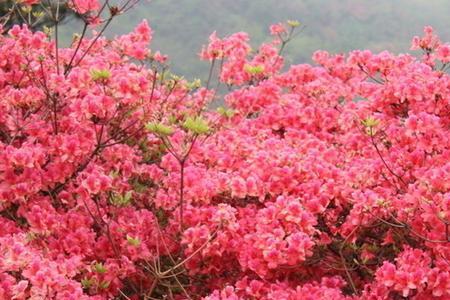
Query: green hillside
[{"x": 182, "y": 26}]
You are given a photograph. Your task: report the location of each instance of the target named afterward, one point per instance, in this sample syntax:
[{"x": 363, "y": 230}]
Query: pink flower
[
  {"x": 30, "y": 2},
  {"x": 443, "y": 53},
  {"x": 277, "y": 29},
  {"x": 84, "y": 6},
  {"x": 325, "y": 181}
]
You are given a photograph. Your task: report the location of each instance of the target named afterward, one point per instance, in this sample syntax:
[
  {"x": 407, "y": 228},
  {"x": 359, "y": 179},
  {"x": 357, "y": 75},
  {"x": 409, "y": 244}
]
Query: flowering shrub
[{"x": 319, "y": 182}]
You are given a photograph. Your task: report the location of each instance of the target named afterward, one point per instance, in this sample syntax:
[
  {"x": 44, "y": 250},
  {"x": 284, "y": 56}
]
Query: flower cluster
[{"x": 325, "y": 181}]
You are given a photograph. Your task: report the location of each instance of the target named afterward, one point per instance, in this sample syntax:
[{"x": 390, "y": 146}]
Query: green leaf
[
  {"x": 227, "y": 113},
  {"x": 172, "y": 119},
  {"x": 159, "y": 129},
  {"x": 100, "y": 75},
  {"x": 104, "y": 284},
  {"x": 381, "y": 202},
  {"x": 31, "y": 236},
  {"x": 48, "y": 31},
  {"x": 133, "y": 241},
  {"x": 86, "y": 283},
  {"x": 26, "y": 9},
  {"x": 100, "y": 268},
  {"x": 38, "y": 14},
  {"x": 121, "y": 200},
  {"x": 114, "y": 173},
  {"x": 127, "y": 197},
  {"x": 293, "y": 23},
  {"x": 254, "y": 70},
  {"x": 196, "y": 125},
  {"x": 370, "y": 122},
  {"x": 197, "y": 83},
  {"x": 176, "y": 77}
]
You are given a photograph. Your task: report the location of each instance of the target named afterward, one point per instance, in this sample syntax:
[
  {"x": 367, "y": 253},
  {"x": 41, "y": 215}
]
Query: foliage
[
  {"x": 34, "y": 14},
  {"x": 320, "y": 182}
]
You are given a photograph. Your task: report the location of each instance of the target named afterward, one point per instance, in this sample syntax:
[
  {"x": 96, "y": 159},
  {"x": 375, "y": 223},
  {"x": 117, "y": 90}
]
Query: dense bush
[{"x": 321, "y": 182}]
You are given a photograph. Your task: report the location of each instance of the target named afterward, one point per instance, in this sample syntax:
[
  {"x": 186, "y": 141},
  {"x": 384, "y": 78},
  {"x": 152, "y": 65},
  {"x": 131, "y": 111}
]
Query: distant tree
[{"x": 35, "y": 15}]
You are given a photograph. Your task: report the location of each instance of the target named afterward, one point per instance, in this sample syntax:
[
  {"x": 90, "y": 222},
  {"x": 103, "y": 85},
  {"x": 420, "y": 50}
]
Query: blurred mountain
[{"x": 181, "y": 27}]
